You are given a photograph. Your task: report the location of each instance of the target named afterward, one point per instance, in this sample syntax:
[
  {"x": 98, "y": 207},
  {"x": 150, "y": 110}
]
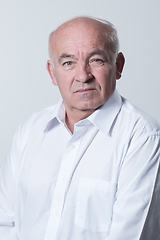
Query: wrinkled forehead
[{"x": 75, "y": 32}]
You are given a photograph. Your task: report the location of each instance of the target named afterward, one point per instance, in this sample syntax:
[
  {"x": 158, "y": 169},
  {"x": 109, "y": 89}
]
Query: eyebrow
[
  {"x": 66, "y": 55},
  {"x": 95, "y": 52},
  {"x": 98, "y": 52}
]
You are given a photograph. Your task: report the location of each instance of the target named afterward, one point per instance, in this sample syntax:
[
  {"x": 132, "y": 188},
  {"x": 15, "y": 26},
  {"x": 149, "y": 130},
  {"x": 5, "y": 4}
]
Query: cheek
[
  {"x": 102, "y": 72},
  {"x": 64, "y": 84},
  {"x": 60, "y": 79},
  {"x": 102, "y": 78},
  {"x": 107, "y": 82}
]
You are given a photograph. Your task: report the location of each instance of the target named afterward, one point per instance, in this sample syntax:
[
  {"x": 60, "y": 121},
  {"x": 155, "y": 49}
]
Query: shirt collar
[
  {"x": 103, "y": 118},
  {"x": 58, "y": 113}
]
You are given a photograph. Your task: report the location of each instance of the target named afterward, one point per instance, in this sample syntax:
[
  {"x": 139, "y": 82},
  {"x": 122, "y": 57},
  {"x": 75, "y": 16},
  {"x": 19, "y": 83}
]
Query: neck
[{"x": 73, "y": 117}]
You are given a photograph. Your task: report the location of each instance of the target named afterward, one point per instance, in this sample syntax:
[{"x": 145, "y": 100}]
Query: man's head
[
  {"x": 107, "y": 32},
  {"x": 85, "y": 63}
]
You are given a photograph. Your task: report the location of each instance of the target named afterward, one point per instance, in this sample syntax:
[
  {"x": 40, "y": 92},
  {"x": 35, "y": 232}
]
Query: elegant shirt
[{"x": 101, "y": 183}]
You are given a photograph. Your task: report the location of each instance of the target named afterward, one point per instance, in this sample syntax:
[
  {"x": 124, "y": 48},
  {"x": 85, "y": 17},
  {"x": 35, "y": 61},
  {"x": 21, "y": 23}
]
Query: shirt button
[
  {"x": 72, "y": 146},
  {"x": 62, "y": 178},
  {"x": 55, "y": 213}
]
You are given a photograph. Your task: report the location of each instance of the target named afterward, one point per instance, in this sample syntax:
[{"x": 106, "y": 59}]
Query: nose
[{"x": 83, "y": 73}]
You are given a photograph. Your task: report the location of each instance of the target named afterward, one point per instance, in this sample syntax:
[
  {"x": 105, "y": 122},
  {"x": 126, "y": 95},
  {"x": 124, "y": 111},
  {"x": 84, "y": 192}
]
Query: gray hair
[
  {"x": 110, "y": 34},
  {"x": 111, "y": 37}
]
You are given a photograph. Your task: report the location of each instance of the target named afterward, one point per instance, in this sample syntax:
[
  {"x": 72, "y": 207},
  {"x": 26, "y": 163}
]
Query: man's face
[{"x": 85, "y": 77}]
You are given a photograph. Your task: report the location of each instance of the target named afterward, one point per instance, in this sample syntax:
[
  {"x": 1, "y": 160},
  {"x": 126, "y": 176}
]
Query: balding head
[
  {"x": 86, "y": 65},
  {"x": 105, "y": 30}
]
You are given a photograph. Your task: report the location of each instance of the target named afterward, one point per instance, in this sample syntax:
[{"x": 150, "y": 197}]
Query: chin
[{"x": 88, "y": 107}]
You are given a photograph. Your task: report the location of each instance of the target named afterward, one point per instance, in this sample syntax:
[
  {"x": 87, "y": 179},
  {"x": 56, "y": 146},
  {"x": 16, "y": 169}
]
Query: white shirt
[{"x": 101, "y": 183}]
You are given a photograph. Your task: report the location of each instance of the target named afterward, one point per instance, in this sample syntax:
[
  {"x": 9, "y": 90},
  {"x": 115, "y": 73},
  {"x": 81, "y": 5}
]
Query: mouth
[{"x": 85, "y": 90}]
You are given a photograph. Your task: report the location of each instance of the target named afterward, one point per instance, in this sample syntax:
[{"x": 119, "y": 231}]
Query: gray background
[{"x": 25, "y": 86}]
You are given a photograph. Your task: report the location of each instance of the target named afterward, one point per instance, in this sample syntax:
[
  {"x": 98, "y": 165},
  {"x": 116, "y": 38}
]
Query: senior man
[{"x": 88, "y": 167}]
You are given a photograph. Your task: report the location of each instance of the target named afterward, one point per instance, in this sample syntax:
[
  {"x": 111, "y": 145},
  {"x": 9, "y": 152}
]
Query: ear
[
  {"x": 119, "y": 63},
  {"x": 50, "y": 70}
]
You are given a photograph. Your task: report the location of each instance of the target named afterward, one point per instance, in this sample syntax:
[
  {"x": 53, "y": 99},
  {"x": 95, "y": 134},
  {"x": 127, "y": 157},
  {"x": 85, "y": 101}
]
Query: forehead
[{"x": 78, "y": 36}]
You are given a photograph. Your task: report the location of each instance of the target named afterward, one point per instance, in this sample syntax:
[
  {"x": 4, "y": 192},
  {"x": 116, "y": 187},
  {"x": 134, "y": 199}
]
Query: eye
[
  {"x": 69, "y": 63},
  {"x": 96, "y": 62}
]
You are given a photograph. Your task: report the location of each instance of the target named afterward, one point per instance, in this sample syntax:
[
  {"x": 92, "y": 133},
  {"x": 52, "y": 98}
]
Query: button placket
[{"x": 64, "y": 176}]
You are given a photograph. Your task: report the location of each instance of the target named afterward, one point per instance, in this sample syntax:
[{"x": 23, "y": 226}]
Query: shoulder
[
  {"x": 36, "y": 122},
  {"x": 39, "y": 118},
  {"x": 139, "y": 119}
]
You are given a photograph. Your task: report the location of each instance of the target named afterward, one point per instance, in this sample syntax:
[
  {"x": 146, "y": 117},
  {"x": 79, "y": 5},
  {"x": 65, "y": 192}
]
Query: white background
[{"x": 25, "y": 86}]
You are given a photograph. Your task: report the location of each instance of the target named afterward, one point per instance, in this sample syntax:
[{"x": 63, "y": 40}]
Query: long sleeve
[
  {"x": 103, "y": 184},
  {"x": 136, "y": 214},
  {"x": 7, "y": 197}
]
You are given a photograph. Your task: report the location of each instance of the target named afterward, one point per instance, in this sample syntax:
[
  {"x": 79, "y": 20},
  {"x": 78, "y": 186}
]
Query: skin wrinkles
[
  {"x": 82, "y": 70},
  {"x": 95, "y": 52}
]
